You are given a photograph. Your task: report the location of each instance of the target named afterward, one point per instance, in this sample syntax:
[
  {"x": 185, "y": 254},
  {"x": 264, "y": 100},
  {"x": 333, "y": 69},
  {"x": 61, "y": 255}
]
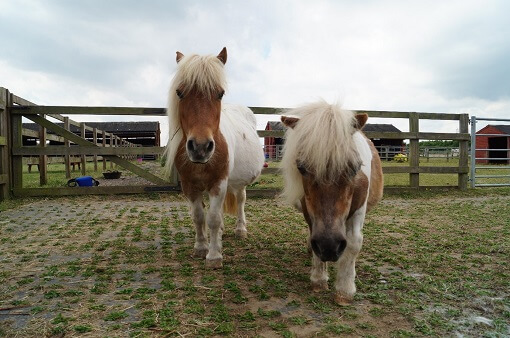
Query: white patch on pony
[
  {"x": 365, "y": 154},
  {"x": 246, "y": 157},
  {"x": 202, "y": 72},
  {"x": 346, "y": 264},
  {"x": 323, "y": 141},
  {"x": 215, "y": 222}
]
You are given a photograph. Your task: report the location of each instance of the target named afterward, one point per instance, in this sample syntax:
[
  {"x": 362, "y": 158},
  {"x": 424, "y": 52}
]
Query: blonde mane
[
  {"x": 322, "y": 141},
  {"x": 203, "y": 73}
]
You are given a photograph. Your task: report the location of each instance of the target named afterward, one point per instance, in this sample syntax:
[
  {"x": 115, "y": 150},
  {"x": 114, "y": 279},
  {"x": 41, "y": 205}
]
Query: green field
[
  {"x": 56, "y": 175},
  {"x": 276, "y": 181}
]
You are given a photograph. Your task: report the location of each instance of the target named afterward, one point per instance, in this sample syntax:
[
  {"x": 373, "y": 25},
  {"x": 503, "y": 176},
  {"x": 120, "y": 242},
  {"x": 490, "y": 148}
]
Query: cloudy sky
[{"x": 427, "y": 56}]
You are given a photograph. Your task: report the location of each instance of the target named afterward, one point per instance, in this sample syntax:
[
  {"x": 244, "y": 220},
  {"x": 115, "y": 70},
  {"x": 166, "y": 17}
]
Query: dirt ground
[{"x": 121, "y": 266}]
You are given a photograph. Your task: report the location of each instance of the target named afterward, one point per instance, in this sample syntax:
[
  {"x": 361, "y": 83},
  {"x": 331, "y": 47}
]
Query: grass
[
  {"x": 432, "y": 263},
  {"x": 275, "y": 181},
  {"x": 56, "y": 175}
]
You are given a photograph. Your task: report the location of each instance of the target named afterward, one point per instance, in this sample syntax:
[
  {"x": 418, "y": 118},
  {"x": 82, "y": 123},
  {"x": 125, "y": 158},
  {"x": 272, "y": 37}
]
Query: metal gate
[{"x": 490, "y": 165}]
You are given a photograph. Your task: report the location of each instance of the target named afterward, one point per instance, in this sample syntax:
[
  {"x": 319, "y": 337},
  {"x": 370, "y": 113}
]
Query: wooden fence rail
[{"x": 13, "y": 108}]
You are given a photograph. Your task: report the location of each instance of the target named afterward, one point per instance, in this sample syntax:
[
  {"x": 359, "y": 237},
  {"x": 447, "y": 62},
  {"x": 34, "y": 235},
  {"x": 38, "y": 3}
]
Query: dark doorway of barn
[{"x": 498, "y": 156}]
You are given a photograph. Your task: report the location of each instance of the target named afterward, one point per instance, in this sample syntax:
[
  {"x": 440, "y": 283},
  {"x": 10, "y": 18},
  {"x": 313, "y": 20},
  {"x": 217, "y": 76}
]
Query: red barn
[
  {"x": 273, "y": 145},
  {"x": 494, "y": 147}
]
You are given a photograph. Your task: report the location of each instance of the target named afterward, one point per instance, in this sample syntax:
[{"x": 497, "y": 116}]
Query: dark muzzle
[
  {"x": 200, "y": 152},
  {"x": 328, "y": 248}
]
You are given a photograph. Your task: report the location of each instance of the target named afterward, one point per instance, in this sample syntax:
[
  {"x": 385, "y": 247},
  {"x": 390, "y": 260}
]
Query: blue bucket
[{"x": 85, "y": 181}]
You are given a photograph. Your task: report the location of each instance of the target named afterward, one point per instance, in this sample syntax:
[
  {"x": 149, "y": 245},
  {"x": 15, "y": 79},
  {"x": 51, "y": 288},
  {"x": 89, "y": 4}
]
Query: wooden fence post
[
  {"x": 111, "y": 145},
  {"x": 16, "y": 142},
  {"x": 414, "y": 150},
  {"x": 94, "y": 139},
  {"x": 463, "y": 153},
  {"x": 83, "y": 157},
  {"x": 104, "y": 146},
  {"x": 43, "y": 159},
  {"x": 4, "y": 146},
  {"x": 67, "y": 144},
  {"x": 116, "y": 144}
]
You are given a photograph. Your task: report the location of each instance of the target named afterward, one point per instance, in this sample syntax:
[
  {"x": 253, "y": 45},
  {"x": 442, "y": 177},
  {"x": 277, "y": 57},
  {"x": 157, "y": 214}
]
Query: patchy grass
[
  {"x": 433, "y": 263},
  {"x": 56, "y": 174}
]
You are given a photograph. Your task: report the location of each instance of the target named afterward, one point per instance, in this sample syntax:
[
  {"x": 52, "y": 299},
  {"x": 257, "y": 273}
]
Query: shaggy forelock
[
  {"x": 203, "y": 73},
  {"x": 322, "y": 142}
]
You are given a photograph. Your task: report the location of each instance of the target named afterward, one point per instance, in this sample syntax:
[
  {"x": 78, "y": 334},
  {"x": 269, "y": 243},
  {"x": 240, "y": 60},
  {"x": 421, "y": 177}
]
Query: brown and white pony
[
  {"x": 214, "y": 146},
  {"x": 333, "y": 174}
]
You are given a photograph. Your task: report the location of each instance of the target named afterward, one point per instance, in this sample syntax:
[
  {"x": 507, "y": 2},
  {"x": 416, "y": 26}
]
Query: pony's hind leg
[
  {"x": 345, "y": 288},
  {"x": 198, "y": 215},
  {"x": 214, "y": 258},
  {"x": 319, "y": 274},
  {"x": 241, "y": 230}
]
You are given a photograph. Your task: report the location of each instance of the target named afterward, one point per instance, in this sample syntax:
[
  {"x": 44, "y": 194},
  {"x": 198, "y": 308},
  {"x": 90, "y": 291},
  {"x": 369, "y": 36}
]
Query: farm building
[
  {"x": 146, "y": 134},
  {"x": 387, "y": 147},
  {"x": 494, "y": 149},
  {"x": 273, "y": 145}
]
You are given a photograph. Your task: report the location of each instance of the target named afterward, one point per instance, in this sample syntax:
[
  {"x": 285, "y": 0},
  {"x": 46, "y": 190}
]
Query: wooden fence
[{"x": 13, "y": 108}]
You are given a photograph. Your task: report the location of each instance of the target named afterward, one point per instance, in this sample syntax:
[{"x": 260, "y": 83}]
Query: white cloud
[{"x": 439, "y": 56}]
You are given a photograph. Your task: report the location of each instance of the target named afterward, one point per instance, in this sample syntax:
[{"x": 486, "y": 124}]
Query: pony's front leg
[
  {"x": 319, "y": 274},
  {"x": 241, "y": 230},
  {"x": 198, "y": 216},
  {"x": 345, "y": 287},
  {"x": 214, "y": 258}
]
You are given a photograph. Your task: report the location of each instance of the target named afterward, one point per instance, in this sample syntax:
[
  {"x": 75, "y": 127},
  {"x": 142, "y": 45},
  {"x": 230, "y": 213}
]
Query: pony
[
  {"x": 214, "y": 147},
  {"x": 332, "y": 173}
]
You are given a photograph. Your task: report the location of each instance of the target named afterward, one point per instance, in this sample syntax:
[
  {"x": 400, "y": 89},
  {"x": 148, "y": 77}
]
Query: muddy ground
[{"x": 117, "y": 266}]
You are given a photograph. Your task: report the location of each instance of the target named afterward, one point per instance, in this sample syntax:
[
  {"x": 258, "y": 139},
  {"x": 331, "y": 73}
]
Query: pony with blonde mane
[
  {"x": 333, "y": 174},
  {"x": 214, "y": 147}
]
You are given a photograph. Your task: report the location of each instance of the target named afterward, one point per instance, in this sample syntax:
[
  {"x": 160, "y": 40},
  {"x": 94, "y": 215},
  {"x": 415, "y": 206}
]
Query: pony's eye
[
  {"x": 179, "y": 94},
  {"x": 302, "y": 169},
  {"x": 220, "y": 95}
]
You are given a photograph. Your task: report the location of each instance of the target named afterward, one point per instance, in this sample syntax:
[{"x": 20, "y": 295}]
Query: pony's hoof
[
  {"x": 200, "y": 253},
  {"x": 342, "y": 299},
  {"x": 240, "y": 233},
  {"x": 216, "y": 263},
  {"x": 320, "y": 286}
]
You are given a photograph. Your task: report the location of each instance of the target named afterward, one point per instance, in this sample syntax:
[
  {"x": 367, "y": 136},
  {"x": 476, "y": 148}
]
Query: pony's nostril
[
  {"x": 210, "y": 146},
  {"x": 190, "y": 145},
  {"x": 341, "y": 247}
]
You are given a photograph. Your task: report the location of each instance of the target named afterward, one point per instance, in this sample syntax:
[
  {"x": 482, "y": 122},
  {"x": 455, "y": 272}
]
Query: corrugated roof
[
  {"x": 381, "y": 127},
  {"x": 504, "y": 128},
  {"x": 110, "y": 127},
  {"x": 275, "y": 125}
]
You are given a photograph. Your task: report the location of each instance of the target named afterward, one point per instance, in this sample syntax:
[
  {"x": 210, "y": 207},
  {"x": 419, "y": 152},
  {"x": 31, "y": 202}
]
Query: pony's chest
[{"x": 202, "y": 176}]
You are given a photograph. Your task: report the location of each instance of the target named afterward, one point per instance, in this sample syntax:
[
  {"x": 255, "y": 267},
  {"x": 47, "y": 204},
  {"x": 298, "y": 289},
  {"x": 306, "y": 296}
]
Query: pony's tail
[{"x": 230, "y": 204}]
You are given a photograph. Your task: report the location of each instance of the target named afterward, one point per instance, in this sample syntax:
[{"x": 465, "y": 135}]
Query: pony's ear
[
  {"x": 361, "y": 119},
  {"x": 223, "y": 55},
  {"x": 179, "y": 56},
  {"x": 289, "y": 121}
]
